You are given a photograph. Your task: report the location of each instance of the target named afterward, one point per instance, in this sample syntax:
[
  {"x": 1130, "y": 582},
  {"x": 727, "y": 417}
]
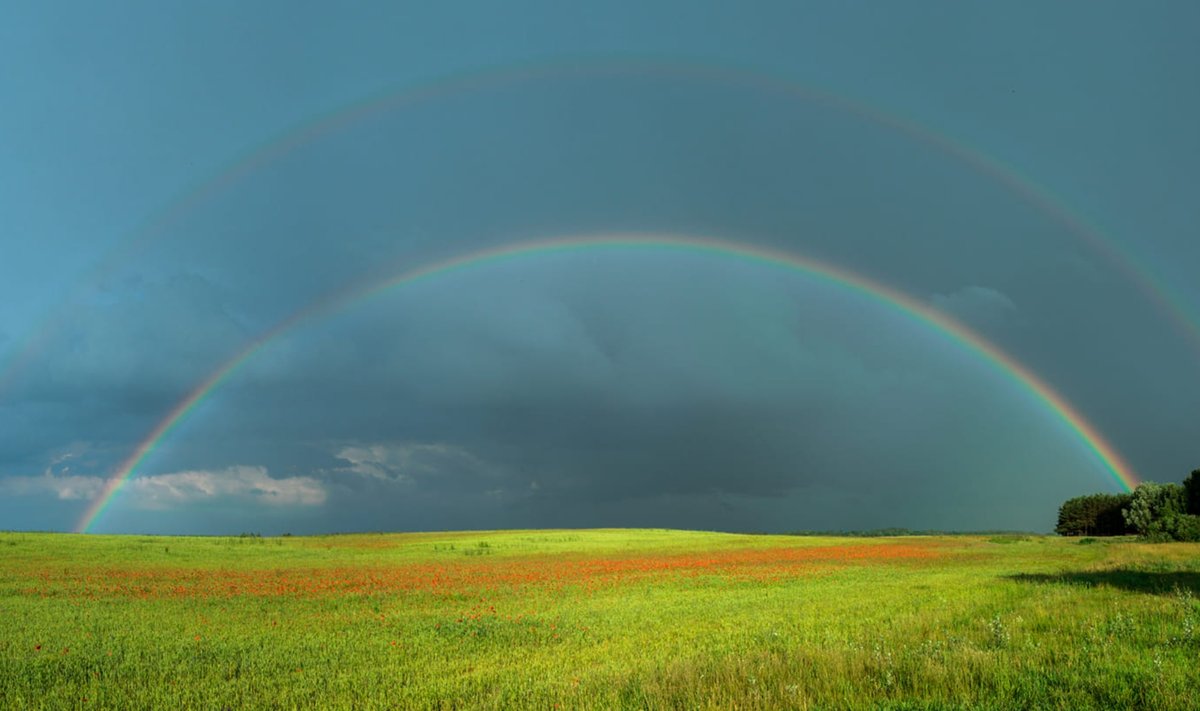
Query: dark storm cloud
[
  {"x": 140, "y": 337},
  {"x": 114, "y": 365},
  {"x": 629, "y": 389},
  {"x": 585, "y": 152},
  {"x": 540, "y": 390}
]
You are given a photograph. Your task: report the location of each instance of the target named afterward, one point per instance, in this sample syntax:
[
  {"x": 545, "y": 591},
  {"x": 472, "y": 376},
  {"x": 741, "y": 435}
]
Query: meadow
[{"x": 597, "y": 619}]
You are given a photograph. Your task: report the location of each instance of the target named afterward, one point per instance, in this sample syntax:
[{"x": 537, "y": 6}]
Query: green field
[{"x": 597, "y": 619}]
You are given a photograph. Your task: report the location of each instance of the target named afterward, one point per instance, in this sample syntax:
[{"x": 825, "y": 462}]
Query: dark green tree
[
  {"x": 1093, "y": 515},
  {"x": 1191, "y": 487},
  {"x": 1110, "y": 519},
  {"x": 1072, "y": 518}
]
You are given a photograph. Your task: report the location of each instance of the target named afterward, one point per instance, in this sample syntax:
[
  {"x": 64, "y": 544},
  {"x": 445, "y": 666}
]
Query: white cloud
[
  {"x": 979, "y": 305},
  {"x": 165, "y": 491},
  {"x": 168, "y": 490}
]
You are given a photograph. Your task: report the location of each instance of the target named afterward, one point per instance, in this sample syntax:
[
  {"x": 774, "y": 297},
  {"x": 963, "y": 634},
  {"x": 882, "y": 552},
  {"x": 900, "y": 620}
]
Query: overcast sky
[{"x": 177, "y": 179}]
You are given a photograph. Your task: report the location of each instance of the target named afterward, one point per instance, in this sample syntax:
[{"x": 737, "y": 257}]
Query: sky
[{"x": 245, "y": 283}]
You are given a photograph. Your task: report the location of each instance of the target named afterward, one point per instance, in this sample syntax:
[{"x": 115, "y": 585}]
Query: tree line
[{"x": 1157, "y": 512}]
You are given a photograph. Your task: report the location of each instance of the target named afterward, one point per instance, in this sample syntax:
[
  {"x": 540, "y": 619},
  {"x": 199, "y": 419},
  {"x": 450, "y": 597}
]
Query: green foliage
[
  {"x": 893, "y": 532},
  {"x": 1191, "y": 488},
  {"x": 1153, "y": 507},
  {"x": 1181, "y": 527},
  {"x": 481, "y": 548},
  {"x": 1010, "y": 539},
  {"x": 1093, "y": 515},
  {"x": 1156, "y": 512}
]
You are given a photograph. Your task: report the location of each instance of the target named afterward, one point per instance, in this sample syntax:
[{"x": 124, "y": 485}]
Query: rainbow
[
  {"x": 832, "y": 275},
  {"x": 1168, "y": 300}
]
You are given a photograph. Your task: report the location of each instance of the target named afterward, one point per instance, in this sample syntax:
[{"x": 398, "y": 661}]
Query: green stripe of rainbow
[{"x": 972, "y": 342}]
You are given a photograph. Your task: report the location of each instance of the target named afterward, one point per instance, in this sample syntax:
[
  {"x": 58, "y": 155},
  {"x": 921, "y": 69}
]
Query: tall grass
[{"x": 596, "y": 619}]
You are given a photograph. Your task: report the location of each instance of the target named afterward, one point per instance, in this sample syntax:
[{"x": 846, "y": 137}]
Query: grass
[{"x": 597, "y": 619}]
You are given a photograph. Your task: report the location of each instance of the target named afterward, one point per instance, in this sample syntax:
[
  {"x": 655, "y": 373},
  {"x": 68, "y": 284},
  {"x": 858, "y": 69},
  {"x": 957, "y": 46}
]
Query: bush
[
  {"x": 1182, "y": 527},
  {"x": 1157, "y": 512}
]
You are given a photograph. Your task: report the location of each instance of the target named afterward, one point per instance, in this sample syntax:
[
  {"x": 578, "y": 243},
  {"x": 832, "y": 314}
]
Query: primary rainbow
[
  {"x": 1156, "y": 289},
  {"x": 837, "y": 276}
]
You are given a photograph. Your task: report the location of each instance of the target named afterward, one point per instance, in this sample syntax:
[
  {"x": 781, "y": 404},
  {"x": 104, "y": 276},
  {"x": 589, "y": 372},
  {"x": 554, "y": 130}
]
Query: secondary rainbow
[
  {"x": 1157, "y": 290},
  {"x": 965, "y": 338}
]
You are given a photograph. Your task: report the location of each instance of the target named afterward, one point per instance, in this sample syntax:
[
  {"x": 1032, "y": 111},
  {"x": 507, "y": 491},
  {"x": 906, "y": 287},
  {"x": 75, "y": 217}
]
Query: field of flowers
[{"x": 596, "y": 619}]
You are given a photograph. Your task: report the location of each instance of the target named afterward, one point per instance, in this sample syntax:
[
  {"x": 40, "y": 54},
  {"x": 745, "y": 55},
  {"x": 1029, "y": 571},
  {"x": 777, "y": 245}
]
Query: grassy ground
[{"x": 597, "y": 619}]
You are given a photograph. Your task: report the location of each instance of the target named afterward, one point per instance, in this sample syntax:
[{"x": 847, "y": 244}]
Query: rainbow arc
[{"x": 1106, "y": 455}]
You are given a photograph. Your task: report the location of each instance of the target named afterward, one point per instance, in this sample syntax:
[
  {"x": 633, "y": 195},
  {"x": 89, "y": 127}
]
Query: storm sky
[{"x": 177, "y": 180}]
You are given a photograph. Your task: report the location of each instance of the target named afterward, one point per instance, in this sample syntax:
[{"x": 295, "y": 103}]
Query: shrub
[
  {"x": 1182, "y": 527},
  {"x": 1153, "y": 508}
]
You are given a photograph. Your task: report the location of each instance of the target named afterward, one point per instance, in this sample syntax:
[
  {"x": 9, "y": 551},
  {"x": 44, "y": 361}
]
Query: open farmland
[{"x": 596, "y": 619}]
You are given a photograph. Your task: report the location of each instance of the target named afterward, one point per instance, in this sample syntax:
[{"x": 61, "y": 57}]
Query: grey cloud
[
  {"x": 977, "y": 305},
  {"x": 435, "y": 465},
  {"x": 64, "y": 487}
]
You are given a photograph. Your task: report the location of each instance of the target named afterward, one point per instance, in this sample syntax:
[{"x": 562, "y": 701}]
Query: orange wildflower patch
[{"x": 475, "y": 575}]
